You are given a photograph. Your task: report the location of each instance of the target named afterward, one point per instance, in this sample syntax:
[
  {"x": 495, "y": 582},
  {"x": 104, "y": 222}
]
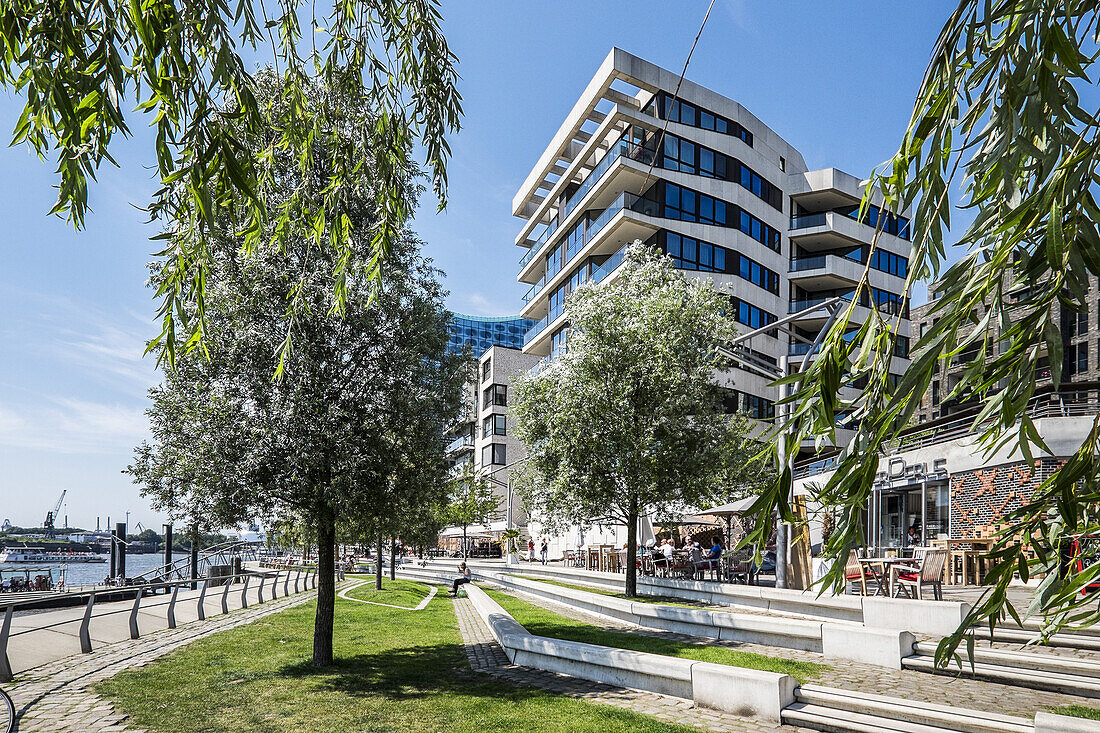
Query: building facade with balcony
[{"x": 698, "y": 177}]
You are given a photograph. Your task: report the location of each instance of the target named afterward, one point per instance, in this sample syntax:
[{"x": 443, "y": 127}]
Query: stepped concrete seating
[
  {"x": 1051, "y": 723},
  {"x": 934, "y": 618},
  {"x": 746, "y": 692}
]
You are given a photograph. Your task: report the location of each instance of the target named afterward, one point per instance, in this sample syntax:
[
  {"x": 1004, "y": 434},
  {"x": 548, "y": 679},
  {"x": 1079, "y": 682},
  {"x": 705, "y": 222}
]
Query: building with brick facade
[{"x": 940, "y": 478}]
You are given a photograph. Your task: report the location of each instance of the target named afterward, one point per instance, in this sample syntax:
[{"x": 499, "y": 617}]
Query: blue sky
[{"x": 835, "y": 79}]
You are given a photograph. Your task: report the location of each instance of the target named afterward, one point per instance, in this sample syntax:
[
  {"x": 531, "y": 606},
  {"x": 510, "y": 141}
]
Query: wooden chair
[
  {"x": 854, "y": 573},
  {"x": 928, "y": 572}
]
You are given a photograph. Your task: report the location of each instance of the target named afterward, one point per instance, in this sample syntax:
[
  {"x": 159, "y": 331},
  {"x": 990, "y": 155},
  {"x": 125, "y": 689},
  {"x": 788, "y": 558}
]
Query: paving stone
[{"x": 57, "y": 698}]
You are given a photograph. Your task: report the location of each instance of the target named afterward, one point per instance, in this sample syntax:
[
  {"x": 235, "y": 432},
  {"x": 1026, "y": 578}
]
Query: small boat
[{"x": 39, "y": 555}]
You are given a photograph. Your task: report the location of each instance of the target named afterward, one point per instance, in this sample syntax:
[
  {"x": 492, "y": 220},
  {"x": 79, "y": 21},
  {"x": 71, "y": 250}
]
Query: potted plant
[{"x": 508, "y": 545}]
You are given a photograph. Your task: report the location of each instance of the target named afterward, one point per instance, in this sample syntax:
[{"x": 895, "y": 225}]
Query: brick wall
[{"x": 981, "y": 498}]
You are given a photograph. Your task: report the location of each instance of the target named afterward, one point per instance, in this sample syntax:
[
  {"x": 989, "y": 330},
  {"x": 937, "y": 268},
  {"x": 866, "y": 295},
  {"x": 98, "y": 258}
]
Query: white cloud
[{"x": 72, "y": 426}]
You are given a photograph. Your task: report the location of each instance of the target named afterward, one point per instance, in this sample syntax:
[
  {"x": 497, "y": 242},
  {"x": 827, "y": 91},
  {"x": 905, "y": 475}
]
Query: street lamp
[{"x": 734, "y": 351}]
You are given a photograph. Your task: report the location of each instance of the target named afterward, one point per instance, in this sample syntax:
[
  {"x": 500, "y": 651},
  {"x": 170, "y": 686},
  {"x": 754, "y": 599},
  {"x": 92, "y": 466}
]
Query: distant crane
[
  {"x": 52, "y": 514},
  {"x": 139, "y": 527}
]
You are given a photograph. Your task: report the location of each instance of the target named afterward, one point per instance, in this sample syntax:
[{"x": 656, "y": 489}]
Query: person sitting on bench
[{"x": 462, "y": 579}]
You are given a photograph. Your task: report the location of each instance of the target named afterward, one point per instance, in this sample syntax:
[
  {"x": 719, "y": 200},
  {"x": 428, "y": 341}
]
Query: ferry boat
[{"x": 40, "y": 555}]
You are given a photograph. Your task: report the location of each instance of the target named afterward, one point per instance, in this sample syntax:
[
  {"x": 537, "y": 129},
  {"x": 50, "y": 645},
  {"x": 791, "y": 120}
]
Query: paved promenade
[
  {"x": 487, "y": 657},
  {"x": 909, "y": 684},
  {"x": 56, "y": 697}
]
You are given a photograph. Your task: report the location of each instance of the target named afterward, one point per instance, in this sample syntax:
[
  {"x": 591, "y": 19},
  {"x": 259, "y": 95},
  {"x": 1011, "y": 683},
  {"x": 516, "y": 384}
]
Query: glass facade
[
  {"x": 480, "y": 333},
  {"x": 665, "y": 107},
  {"x": 689, "y": 157}
]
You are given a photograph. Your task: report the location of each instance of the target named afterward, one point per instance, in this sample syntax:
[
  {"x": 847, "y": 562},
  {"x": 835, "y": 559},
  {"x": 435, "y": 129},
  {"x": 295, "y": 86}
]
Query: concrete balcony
[
  {"x": 627, "y": 218},
  {"x": 825, "y": 272},
  {"x": 624, "y": 173}
]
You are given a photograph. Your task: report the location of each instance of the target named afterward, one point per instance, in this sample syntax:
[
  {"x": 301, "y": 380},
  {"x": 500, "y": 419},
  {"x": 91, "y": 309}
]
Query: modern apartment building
[
  {"x": 1080, "y": 333},
  {"x": 696, "y": 175}
]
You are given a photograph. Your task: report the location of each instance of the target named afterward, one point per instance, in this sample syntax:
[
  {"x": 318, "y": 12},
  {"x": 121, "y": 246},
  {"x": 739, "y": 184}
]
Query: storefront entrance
[{"x": 922, "y": 508}]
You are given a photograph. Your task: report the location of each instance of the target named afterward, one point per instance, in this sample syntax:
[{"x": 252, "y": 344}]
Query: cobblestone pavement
[
  {"x": 487, "y": 657},
  {"x": 908, "y": 684},
  {"x": 57, "y": 697}
]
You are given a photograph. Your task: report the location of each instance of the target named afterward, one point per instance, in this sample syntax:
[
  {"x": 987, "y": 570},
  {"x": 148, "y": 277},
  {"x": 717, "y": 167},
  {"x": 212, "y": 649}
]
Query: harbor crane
[{"x": 52, "y": 514}]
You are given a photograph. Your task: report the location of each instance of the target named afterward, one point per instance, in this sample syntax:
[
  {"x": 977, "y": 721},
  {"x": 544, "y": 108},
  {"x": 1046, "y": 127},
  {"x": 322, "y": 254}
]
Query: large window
[
  {"x": 495, "y": 394},
  {"x": 889, "y": 262},
  {"x": 663, "y": 105},
  {"x": 1076, "y": 359},
  {"x": 901, "y": 347},
  {"x": 888, "y": 302},
  {"x": 689, "y": 157},
  {"x": 688, "y": 205},
  {"x": 486, "y": 366},
  {"x": 756, "y": 407},
  {"x": 494, "y": 454},
  {"x": 689, "y": 253},
  {"x": 494, "y": 425},
  {"x": 752, "y": 316}
]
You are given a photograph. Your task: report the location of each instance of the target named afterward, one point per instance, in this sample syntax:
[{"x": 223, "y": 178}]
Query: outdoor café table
[
  {"x": 973, "y": 559},
  {"x": 880, "y": 571}
]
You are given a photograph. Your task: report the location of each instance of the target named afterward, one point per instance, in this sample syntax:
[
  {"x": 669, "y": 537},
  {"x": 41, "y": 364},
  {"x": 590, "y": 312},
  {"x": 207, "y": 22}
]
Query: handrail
[{"x": 84, "y": 632}]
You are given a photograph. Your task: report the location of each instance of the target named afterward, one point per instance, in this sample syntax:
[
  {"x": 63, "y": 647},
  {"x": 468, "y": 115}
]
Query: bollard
[
  {"x": 244, "y": 591},
  {"x": 133, "y": 616},
  {"x": 202, "y": 599},
  {"x": 225, "y": 596},
  {"x": 172, "y": 607},
  {"x": 85, "y": 637},
  {"x": 5, "y": 666}
]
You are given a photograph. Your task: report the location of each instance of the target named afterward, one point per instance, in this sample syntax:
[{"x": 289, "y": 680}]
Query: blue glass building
[{"x": 482, "y": 332}]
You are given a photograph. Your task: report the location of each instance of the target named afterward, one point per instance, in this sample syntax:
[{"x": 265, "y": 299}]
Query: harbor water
[{"x": 88, "y": 573}]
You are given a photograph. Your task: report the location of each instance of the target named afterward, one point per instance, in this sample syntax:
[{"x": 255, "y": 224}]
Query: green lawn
[
  {"x": 1078, "y": 711},
  {"x": 547, "y": 623},
  {"x": 396, "y": 672},
  {"x": 404, "y": 593},
  {"x": 659, "y": 600}
]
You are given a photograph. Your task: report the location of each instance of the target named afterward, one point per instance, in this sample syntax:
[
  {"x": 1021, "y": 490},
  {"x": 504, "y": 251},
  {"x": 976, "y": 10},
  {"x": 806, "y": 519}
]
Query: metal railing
[
  {"x": 221, "y": 554},
  {"x": 462, "y": 441},
  {"x": 1067, "y": 402},
  {"x": 149, "y": 589}
]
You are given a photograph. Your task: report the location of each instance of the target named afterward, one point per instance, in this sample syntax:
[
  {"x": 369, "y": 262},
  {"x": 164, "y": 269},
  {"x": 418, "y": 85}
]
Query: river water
[{"x": 89, "y": 573}]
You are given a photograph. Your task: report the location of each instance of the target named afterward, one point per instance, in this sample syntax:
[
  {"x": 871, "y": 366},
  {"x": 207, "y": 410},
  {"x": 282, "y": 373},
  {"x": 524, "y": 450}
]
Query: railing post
[
  {"x": 314, "y": 579},
  {"x": 202, "y": 599},
  {"x": 244, "y": 591},
  {"x": 275, "y": 586},
  {"x": 134, "y": 634},
  {"x": 5, "y": 666},
  {"x": 297, "y": 574},
  {"x": 85, "y": 636},
  {"x": 225, "y": 596},
  {"x": 260, "y": 594},
  {"x": 172, "y": 607},
  {"x": 286, "y": 583}
]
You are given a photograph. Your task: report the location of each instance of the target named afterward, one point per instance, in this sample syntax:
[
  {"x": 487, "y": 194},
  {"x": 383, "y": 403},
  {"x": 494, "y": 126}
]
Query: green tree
[
  {"x": 184, "y": 66},
  {"x": 627, "y": 420},
  {"x": 317, "y": 442},
  {"x": 471, "y": 501},
  {"x": 1000, "y": 111}
]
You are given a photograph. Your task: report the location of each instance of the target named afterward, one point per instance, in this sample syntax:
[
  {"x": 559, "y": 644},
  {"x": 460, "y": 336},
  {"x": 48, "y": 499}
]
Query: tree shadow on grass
[{"x": 406, "y": 673}]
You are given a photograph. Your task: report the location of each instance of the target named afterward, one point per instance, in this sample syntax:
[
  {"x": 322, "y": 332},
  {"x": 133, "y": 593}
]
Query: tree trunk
[
  {"x": 632, "y": 549},
  {"x": 378, "y": 564},
  {"x": 393, "y": 558},
  {"x": 326, "y": 587}
]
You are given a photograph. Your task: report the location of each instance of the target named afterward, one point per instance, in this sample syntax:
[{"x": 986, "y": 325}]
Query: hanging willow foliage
[
  {"x": 1000, "y": 114},
  {"x": 78, "y": 64}
]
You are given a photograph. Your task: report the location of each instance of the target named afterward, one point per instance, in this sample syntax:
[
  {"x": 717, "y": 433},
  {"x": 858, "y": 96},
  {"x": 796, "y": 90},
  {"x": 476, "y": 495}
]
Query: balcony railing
[
  {"x": 459, "y": 443},
  {"x": 797, "y": 306},
  {"x": 800, "y": 264},
  {"x": 805, "y": 221},
  {"x": 622, "y": 147}
]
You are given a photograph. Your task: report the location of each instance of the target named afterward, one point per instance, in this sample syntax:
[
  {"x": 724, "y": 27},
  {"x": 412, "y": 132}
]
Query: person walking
[
  {"x": 531, "y": 549},
  {"x": 545, "y": 550},
  {"x": 462, "y": 579}
]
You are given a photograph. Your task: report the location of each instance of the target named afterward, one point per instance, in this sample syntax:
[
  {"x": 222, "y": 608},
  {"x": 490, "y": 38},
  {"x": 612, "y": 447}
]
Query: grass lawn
[
  {"x": 659, "y": 600},
  {"x": 396, "y": 671},
  {"x": 1078, "y": 711},
  {"x": 547, "y": 623},
  {"x": 404, "y": 593}
]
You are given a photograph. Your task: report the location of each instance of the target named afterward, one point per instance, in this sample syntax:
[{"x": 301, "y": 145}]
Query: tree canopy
[
  {"x": 1007, "y": 110},
  {"x": 81, "y": 67},
  {"x": 361, "y": 400},
  {"x": 628, "y": 420},
  {"x": 470, "y": 501}
]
